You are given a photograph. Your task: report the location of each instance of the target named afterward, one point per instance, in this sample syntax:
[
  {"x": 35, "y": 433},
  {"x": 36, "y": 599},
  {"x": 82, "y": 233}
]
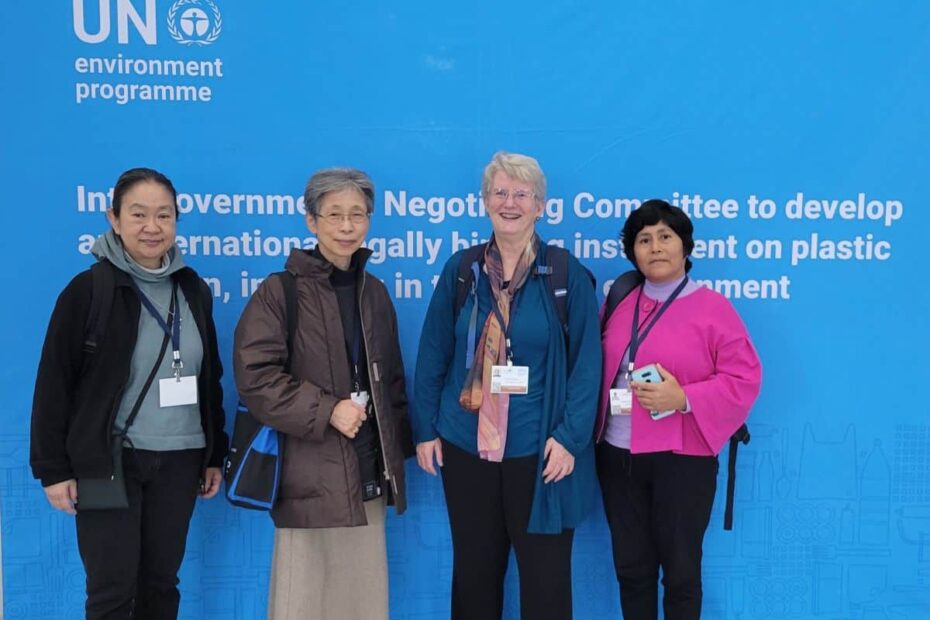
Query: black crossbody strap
[
  {"x": 289, "y": 282},
  {"x": 145, "y": 388}
]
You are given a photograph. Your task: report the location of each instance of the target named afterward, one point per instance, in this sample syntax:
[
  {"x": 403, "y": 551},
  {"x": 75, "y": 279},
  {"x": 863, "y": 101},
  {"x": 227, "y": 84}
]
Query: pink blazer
[{"x": 702, "y": 341}]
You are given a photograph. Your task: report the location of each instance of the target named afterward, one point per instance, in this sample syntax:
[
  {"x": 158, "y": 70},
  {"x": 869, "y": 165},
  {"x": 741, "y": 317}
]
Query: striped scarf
[{"x": 491, "y": 351}]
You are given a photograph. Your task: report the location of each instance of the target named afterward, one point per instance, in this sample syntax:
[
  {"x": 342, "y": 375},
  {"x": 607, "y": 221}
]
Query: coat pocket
[{"x": 312, "y": 469}]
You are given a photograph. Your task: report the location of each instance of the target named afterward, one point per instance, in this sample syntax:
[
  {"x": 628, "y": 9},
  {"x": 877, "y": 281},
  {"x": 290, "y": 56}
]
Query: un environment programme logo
[
  {"x": 194, "y": 22},
  {"x": 133, "y": 75}
]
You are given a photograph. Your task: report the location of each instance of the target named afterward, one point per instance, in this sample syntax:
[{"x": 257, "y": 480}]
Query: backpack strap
[
  {"x": 740, "y": 436},
  {"x": 552, "y": 262},
  {"x": 102, "y": 288},
  {"x": 467, "y": 278},
  {"x": 289, "y": 283},
  {"x": 620, "y": 288},
  {"x": 466, "y": 284}
]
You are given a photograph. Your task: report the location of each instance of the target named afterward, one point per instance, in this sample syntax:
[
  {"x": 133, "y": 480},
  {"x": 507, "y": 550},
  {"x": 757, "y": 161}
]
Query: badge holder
[
  {"x": 177, "y": 390},
  {"x": 621, "y": 401},
  {"x": 510, "y": 379}
]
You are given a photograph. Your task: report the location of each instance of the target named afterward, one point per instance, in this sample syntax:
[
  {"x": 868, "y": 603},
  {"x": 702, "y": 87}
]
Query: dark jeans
[
  {"x": 658, "y": 507},
  {"x": 489, "y": 509},
  {"x": 132, "y": 556}
]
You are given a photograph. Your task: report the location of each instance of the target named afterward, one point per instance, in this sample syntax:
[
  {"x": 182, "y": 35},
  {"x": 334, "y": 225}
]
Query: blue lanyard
[
  {"x": 171, "y": 327},
  {"x": 636, "y": 338}
]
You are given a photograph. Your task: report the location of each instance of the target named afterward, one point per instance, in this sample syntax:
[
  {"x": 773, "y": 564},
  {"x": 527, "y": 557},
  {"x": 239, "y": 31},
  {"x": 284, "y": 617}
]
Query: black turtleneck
[{"x": 345, "y": 283}]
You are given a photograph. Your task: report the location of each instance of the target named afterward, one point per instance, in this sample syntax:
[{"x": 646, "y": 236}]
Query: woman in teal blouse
[{"x": 510, "y": 421}]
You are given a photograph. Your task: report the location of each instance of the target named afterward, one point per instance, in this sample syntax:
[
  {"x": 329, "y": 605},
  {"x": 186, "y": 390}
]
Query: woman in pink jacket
[{"x": 680, "y": 375}]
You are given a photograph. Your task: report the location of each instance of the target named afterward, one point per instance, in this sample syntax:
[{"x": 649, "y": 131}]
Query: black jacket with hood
[{"x": 77, "y": 395}]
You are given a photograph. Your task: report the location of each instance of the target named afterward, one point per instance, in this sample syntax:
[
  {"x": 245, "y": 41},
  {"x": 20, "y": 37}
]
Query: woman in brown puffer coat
[{"x": 342, "y": 410}]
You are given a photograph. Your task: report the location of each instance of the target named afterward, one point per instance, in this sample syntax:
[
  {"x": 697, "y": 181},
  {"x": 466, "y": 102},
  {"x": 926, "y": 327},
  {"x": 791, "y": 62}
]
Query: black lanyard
[
  {"x": 354, "y": 348},
  {"x": 506, "y": 326},
  {"x": 171, "y": 327},
  {"x": 637, "y": 338}
]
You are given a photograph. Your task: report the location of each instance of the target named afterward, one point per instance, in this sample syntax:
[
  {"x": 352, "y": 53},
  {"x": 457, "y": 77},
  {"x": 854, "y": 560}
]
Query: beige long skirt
[{"x": 335, "y": 573}]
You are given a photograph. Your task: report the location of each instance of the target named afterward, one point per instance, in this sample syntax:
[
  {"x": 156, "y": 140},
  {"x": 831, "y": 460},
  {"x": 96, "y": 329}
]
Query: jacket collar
[
  {"x": 122, "y": 278},
  {"x": 304, "y": 263}
]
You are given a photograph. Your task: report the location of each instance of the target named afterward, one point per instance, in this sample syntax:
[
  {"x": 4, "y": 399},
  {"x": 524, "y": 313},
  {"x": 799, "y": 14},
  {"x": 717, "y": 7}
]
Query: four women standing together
[{"x": 509, "y": 401}]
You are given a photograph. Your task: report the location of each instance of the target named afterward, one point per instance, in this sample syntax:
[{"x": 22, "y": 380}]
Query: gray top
[{"x": 155, "y": 427}]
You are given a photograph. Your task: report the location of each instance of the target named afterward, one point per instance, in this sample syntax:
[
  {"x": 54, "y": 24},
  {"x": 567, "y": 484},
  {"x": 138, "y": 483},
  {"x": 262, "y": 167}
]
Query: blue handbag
[{"x": 256, "y": 453}]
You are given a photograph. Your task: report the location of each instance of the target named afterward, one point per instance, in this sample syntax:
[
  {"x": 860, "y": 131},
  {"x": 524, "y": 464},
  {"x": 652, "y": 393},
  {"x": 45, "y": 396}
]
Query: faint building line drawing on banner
[
  {"x": 847, "y": 526},
  {"x": 785, "y": 483},
  {"x": 911, "y": 476},
  {"x": 828, "y": 467},
  {"x": 867, "y": 582},
  {"x": 756, "y": 532},
  {"x": 828, "y": 588},
  {"x": 765, "y": 477},
  {"x": 914, "y": 528},
  {"x": 875, "y": 498}
]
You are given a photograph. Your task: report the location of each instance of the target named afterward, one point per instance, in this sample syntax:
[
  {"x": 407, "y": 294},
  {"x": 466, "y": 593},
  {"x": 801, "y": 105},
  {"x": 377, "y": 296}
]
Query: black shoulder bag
[{"x": 110, "y": 493}]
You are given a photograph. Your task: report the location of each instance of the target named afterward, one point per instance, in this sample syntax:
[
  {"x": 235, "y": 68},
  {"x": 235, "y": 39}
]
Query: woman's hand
[
  {"x": 211, "y": 482},
  {"x": 347, "y": 417},
  {"x": 559, "y": 461},
  {"x": 664, "y": 396},
  {"x": 63, "y": 495},
  {"x": 426, "y": 451}
]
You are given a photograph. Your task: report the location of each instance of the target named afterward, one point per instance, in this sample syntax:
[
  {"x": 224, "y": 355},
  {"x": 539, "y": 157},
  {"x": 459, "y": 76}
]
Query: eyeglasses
[
  {"x": 519, "y": 195},
  {"x": 335, "y": 219}
]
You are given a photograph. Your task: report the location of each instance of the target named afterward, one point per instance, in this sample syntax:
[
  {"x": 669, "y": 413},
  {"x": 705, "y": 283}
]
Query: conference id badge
[
  {"x": 621, "y": 401},
  {"x": 177, "y": 391},
  {"x": 360, "y": 398},
  {"x": 510, "y": 379}
]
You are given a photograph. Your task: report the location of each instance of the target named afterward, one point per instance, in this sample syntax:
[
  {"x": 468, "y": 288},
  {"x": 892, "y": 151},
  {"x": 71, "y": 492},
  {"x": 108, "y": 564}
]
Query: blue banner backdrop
[{"x": 794, "y": 133}]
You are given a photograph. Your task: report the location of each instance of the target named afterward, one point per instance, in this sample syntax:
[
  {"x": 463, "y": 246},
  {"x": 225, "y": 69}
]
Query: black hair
[
  {"x": 651, "y": 213},
  {"x": 134, "y": 176}
]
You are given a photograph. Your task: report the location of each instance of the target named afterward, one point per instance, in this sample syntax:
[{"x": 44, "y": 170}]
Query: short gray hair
[
  {"x": 335, "y": 180},
  {"x": 521, "y": 167}
]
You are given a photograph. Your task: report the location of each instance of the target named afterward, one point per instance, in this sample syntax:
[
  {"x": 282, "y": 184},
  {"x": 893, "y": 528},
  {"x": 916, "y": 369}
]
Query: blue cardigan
[{"x": 568, "y": 395}]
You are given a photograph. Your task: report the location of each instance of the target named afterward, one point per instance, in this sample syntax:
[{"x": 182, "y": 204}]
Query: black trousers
[
  {"x": 132, "y": 556},
  {"x": 489, "y": 509},
  {"x": 658, "y": 507}
]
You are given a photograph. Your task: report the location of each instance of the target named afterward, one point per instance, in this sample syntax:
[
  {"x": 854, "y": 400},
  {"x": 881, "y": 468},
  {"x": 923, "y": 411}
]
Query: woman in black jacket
[{"x": 127, "y": 417}]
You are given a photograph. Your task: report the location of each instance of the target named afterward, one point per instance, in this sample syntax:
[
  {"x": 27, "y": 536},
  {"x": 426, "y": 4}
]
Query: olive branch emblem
[{"x": 178, "y": 36}]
